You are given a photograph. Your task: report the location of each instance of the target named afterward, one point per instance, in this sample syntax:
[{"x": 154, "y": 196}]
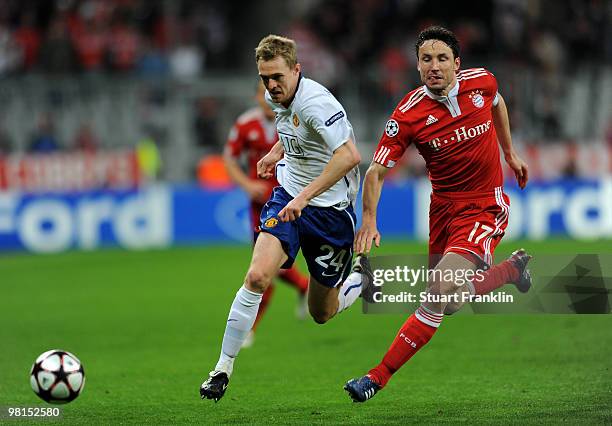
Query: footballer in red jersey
[
  {"x": 253, "y": 135},
  {"x": 457, "y": 120}
]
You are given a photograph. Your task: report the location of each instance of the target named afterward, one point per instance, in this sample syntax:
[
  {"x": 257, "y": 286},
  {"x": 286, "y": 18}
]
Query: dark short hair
[{"x": 438, "y": 33}]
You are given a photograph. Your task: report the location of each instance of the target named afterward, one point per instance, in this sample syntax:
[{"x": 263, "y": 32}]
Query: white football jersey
[{"x": 311, "y": 129}]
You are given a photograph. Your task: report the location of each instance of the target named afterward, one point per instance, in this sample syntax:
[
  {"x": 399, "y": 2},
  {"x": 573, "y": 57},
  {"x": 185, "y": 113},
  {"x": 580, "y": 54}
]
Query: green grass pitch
[{"x": 148, "y": 325}]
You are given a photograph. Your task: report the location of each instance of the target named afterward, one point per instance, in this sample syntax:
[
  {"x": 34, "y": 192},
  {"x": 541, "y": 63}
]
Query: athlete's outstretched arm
[
  {"x": 342, "y": 161},
  {"x": 265, "y": 166},
  {"x": 255, "y": 188},
  {"x": 372, "y": 187},
  {"x": 502, "y": 128}
]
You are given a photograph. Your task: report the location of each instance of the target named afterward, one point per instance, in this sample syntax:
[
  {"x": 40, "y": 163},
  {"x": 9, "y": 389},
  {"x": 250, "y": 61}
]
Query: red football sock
[
  {"x": 294, "y": 277},
  {"x": 414, "y": 334},
  {"x": 263, "y": 305},
  {"x": 495, "y": 277}
]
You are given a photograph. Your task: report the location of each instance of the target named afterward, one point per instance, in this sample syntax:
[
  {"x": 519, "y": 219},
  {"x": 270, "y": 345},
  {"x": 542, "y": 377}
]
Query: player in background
[
  {"x": 316, "y": 164},
  {"x": 455, "y": 120},
  {"x": 252, "y": 136}
]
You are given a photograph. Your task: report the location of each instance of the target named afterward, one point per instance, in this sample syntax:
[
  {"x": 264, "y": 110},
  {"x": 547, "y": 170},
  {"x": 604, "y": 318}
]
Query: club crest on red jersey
[
  {"x": 477, "y": 98},
  {"x": 391, "y": 128}
]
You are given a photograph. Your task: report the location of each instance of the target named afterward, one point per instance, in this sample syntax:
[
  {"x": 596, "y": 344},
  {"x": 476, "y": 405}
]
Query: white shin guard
[{"x": 239, "y": 322}]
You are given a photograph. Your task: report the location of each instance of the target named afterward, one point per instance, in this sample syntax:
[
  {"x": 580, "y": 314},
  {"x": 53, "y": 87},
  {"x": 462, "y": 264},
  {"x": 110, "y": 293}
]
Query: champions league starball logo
[
  {"x": 477, "y": 99},
  {"x": 391, "y": 128}
]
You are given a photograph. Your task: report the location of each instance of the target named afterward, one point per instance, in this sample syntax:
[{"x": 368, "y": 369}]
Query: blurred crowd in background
[
  {"x": 190, "y": 37},
  {"x": 115, "y": 36},
  {"x": 102, "y": 74}
]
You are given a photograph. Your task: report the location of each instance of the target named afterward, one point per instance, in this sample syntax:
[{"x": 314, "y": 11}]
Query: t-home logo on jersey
[{"x": 462, "y": 134}]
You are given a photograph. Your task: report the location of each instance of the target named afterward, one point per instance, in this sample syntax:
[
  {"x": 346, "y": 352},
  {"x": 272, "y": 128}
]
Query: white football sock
[
  {"x": 239, "y": 322},
  {"x": 350, "y": 291}
]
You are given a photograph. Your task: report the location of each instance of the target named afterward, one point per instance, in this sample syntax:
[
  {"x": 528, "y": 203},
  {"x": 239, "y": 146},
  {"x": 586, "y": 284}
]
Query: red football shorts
[{"x": 467, "y": 223}]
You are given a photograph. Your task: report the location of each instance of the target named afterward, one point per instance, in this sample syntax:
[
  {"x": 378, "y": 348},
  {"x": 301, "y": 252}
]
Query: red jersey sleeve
[
  {"x": 492, "y": 88},
  {"x": 235, "y": 141},
  {"x": 395, "y": 139}
]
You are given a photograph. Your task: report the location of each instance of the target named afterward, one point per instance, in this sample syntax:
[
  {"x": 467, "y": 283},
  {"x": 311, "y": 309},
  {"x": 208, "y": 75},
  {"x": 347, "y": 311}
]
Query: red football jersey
[
  {"x": 252, "y": 135},
  {"x": 454, "y": 134}
]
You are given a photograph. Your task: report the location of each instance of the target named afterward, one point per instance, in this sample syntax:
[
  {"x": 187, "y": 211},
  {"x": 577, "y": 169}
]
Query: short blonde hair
[{"x": 273, "y": 46}]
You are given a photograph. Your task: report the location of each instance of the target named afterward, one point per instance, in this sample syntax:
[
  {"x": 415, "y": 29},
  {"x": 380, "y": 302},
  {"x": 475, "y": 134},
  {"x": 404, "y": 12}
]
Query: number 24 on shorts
[{"x": 337, "y": 261}]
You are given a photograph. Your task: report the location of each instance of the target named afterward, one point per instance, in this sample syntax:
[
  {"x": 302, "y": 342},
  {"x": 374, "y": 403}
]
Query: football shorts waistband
[{"x": 467, "y": 195}]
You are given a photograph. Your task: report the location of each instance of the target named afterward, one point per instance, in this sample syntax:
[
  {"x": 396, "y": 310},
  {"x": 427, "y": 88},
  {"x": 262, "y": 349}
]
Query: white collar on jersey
[
  {"x": 279, "y": 108},
  {"x": 450, "y": 100},
  {"x": 451, "y": 94}
]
